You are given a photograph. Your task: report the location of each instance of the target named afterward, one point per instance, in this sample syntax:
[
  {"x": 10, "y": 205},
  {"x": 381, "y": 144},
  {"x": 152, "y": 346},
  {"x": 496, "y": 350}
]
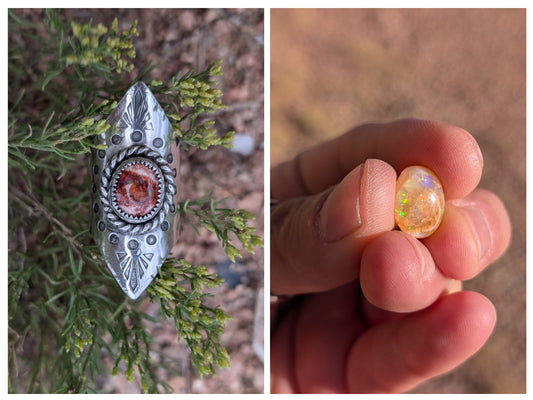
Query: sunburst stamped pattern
[
  {"x": 134, "y": 218},
  {"x": 136, "y": 116},
  {"x": 134, "y": 264}
]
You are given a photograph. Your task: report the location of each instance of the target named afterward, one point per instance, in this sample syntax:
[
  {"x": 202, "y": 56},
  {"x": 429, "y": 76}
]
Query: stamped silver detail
[
  {"x": 119, "y": 220},
  {"x": 140, "y": 163}
]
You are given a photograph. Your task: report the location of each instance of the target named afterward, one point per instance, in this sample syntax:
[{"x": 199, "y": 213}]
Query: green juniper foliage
[{"x": 66, "y": 313}]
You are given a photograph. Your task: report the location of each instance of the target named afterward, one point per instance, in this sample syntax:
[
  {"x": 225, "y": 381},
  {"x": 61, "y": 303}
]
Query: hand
[{"x": 372, "y": 309}]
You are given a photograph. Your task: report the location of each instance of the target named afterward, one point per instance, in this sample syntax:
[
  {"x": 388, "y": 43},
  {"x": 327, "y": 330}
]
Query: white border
[{"x": 266, "y": 364}]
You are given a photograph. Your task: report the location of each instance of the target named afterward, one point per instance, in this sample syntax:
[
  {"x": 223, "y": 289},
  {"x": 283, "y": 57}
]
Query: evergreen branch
[
  {"x": 201, "y": 326},
  {"x": 195, "y": 94},
  {"x": 34, "y": 206},
  {"x": 222, "y": 221},
  {"x": 65, "y": 309}
]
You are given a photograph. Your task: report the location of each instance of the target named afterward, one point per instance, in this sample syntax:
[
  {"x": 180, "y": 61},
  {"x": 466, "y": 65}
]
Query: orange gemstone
[
  {"x": 419, "y": 202},
  {"x": 137, "y": 190}
]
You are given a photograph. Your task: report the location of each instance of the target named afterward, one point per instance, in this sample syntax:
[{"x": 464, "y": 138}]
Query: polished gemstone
[
  {"x": 137, "y": 189},
  {"x": 419, "y": 202}
]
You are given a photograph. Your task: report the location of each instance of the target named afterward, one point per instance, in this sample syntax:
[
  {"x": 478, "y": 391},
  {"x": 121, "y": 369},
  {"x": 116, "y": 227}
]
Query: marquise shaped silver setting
[{"x": 134, "y": 190}]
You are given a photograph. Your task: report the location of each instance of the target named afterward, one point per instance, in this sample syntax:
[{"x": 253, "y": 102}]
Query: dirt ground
[
  {"x": 181, "y": 40},
  {"x": 335, "y": 69}
]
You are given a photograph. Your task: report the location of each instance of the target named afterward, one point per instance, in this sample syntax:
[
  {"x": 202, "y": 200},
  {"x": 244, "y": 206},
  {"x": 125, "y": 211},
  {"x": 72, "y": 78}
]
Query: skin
[{"x": 371, "y": 309}]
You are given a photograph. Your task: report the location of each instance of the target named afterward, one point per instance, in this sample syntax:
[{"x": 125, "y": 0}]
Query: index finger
[{"x": 451, "y": 152}]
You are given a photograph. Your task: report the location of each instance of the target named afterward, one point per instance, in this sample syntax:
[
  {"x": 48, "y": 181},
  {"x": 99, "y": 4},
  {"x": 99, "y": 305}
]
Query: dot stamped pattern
[{"x": 419, "y": 201}]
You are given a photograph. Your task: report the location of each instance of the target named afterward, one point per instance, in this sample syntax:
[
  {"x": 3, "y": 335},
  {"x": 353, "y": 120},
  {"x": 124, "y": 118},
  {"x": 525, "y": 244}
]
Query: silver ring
[{"x": 134, "y": 190}]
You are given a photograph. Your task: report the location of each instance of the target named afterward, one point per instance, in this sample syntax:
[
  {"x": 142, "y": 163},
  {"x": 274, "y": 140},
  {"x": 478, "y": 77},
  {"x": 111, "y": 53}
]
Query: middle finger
[
  {"x": 474, "y": 232},
  {"x": 402, "y": 274}
]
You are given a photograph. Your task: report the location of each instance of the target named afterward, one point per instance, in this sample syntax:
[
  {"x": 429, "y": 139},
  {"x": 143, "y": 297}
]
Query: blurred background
[{"x": 335, "y": 69}]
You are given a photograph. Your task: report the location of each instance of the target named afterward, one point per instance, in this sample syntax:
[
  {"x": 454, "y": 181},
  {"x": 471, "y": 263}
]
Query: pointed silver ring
[{"x": 134, "y": 190}]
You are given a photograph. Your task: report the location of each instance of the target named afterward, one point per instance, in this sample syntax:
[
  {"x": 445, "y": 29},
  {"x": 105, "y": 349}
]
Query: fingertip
[
  {"x": 378, "y": 187},
  {"x": 454, "y": 245},
  {"x": 449, "y": 151},
  {"x": 456, "y": 158},
  {"x": 317, "y": 240},
  {"x": 398, "y": 273},
  {"x": 397, "y": 355},
  {"x": 443, "y": 336},
  {"x": 460, "y": 324},
  {"x": 465, "y": 166},
  {"x": 340, "y": 214},
  {"x": 475, "y": 231},
  {"x": 499, "y": 224}
]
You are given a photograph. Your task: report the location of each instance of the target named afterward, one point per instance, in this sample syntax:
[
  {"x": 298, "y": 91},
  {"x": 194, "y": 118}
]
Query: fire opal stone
[
  {"x": 137, "y": 190},
  {"x": 419, "y": 202}
]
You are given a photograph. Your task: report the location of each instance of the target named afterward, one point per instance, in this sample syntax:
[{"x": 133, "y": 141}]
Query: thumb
[{"x": 317, "y": 241}]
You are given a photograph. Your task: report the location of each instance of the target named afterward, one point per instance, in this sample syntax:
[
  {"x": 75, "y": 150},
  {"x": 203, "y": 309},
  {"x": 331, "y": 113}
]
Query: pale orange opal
[{"x": 419, "y": 202}]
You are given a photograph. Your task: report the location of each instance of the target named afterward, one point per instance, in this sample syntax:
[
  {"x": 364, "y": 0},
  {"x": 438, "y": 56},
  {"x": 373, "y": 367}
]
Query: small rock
[
  {"x": 258, "y": 335},
  {"x": 230, "y": 272},
  {"x": 243, "y": 144},
  {"x": 186, "y": 20}
]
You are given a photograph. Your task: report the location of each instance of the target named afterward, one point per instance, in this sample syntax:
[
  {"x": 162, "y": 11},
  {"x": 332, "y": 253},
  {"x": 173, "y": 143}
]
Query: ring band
[{"x": 134, "y": 190}]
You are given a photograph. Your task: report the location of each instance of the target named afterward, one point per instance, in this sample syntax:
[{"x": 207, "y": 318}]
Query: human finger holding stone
[{"x": 347, "y": 226}]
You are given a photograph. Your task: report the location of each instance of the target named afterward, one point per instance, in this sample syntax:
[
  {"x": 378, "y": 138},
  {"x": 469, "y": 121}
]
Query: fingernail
[
  {"x": 340, "y": 213},
  {"x": 481, "y": 228}
]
